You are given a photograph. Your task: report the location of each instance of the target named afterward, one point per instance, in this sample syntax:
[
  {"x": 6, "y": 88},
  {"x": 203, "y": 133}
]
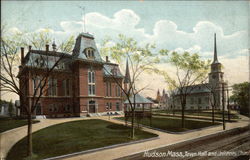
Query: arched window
[{"x": 89, "y": 53}]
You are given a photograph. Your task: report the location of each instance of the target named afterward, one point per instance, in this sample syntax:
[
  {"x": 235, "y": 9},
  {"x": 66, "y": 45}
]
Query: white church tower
[{"x": 216, "y": 79}]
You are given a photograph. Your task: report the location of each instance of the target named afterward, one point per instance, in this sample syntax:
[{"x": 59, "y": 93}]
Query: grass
[
  {"x": 75, "y": 136},
  {"x": 218, "y": 114},
  {"x": 7, "y": 123},
  {"x": 173, "y": 124}
]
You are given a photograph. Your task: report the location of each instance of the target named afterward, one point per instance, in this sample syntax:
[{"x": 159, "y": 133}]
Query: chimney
[
  {"x": 107, "y": 58},
  {"x": 22, "y": 55},
  {"x": 47, "y": 47},
  {"x": 29, "y": 48}
]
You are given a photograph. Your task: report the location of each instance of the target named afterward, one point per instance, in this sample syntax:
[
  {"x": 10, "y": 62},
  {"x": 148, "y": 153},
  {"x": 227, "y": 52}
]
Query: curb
[
  {"x": 191, "y": 140},
  {"x": 101, "y": 148},
  {"x": 165, "y": 131},
  {"x": 13, "y": 129}
]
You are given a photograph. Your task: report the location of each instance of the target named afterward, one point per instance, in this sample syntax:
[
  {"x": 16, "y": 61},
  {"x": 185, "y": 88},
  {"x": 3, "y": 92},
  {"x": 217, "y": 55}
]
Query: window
[
  {"x": 207, "y": 99},
  {"x": 66, "y": 87},
  {"x": 117, "y": 91},
  {"x": 192, "y": 101},
  {"x": 108, "y": 89},
  {"x": 67, "y": 108},
  {"x": 91, "y": 82},
  {"x": 52, "y": 90},
  {"x": 199, "y": 100},
  {"x": 61, "y": 66},
  {"x": 39, "y": 62},
  {"x": 53, "y": 108},
  {"x": 108, "y": 106},
  {"x": 36, "y": 85},
  {"x": 89, "y": 53},
  {"x": 117, "y": 106}
]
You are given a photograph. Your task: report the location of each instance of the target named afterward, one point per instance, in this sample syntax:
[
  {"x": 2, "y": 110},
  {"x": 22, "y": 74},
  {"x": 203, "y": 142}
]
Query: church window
[
  {"x": 199, "y": 100},
  {"x": 192, "y": 101}
]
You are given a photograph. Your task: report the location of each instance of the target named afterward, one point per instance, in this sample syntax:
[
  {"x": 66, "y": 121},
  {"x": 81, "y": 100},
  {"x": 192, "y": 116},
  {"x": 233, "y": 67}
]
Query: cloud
[{"x": 231, "y": 48}]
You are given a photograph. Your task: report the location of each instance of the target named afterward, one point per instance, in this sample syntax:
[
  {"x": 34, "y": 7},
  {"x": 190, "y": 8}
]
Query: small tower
[
  {"x": 127, "y": 79},
  {"x": 216, "y": 74},
  {"x": 163, "y": 92},
  {"x": 216, "y": 78},
  {"x": 158, "y": 96}
]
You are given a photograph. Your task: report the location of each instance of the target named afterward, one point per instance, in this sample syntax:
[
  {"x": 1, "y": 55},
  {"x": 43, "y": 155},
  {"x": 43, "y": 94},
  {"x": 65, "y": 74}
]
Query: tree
[
  {"x": 213, "y": 98},
  {"x": 190, "y": 70},
  {"x": 10, "y": 63},
  {"x": 241, "y": 96},
  {"x": 140, "y": 59}
]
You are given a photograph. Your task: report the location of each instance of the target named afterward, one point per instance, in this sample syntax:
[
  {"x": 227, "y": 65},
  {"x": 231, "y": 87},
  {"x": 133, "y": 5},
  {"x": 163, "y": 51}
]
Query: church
[
  {"x": 81, "y": 84},
  {"x": 205, "y": 96}
]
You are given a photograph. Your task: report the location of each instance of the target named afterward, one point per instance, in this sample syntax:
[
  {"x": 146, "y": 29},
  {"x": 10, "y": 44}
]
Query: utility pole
[
  {"x": 223, "y": 107},
  {"x": 228, "y": 107}
]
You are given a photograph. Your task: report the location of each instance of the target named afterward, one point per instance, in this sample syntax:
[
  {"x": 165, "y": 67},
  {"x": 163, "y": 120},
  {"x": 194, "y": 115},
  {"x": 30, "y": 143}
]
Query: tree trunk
[
  {"x": 213, "y": 114},
  {"x": 182, "y": 116},
  {"x": 29, "y": 139},
  {"x": 132, "y": 125}
]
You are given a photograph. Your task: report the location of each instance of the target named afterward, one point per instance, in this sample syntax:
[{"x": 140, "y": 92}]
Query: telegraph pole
[
  {"x": 228, "y": 107},
  {"x": 223, "y": 107}
]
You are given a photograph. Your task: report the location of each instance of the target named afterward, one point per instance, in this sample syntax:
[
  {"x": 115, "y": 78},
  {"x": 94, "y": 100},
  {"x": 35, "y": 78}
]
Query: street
[{"x": 227, "y": 146}]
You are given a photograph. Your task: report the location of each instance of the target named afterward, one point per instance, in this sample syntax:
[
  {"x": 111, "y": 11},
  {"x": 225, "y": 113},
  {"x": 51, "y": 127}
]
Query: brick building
[{"x": 82, "y": 83}]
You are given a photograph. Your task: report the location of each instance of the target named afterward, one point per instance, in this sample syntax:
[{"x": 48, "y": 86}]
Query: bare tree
[{"x": 40, "y": 70}]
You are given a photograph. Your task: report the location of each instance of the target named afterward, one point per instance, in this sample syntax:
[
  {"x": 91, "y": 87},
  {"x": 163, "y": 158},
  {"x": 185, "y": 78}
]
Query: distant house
[
  {"x": 141, "y": 103},
  {"x": 4, "y": 109},
  {"x": 82, "y": 84},
  {"x": 162, "y": 99}
]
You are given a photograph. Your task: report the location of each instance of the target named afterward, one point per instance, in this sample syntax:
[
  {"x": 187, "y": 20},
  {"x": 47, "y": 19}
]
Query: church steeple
[
  {"x": 127, "y": 75},
  {"x": 215, "y": 50}
]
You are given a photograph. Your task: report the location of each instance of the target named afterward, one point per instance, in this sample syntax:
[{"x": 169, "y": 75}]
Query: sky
[{"x": 173, "y": 25}]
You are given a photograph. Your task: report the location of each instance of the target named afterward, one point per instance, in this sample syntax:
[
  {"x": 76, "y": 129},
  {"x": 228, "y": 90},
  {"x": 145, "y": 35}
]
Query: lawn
[
  {"x": 7, "y": 123},
  {"x": 201, "y": 113},
  {"x": 75, "y": 136},
  {"x": 173, "y": 124}
]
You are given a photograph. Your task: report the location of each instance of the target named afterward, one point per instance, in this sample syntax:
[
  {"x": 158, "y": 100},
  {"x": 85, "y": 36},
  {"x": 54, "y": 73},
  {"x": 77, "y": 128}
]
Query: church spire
[
  {"x": 215, "y": 50},
  {"x": 127, "y": 75}
]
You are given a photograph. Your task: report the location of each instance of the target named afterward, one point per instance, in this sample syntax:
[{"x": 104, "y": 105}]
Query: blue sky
[
  {"x": 174, "y": 25},
  {"x": 232, "y": 15}
]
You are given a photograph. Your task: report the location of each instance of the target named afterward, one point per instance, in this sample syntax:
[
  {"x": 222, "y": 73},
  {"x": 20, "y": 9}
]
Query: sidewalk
[
  {"x": 9, "y": 138},
  {"x": 164, "y": 140}
]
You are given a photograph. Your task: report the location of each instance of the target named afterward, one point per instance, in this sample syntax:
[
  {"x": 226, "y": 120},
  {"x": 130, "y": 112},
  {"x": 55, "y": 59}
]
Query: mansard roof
[
  {"x": 111, "y": 69},
  {"x": 84, "y": 41}
]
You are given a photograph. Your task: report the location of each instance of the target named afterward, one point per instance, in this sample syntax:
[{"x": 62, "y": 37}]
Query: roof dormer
[{"x": 89, "y": 53}]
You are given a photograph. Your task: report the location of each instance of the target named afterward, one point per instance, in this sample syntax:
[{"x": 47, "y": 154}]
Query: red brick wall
[{"x": 79, "y": 97}]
